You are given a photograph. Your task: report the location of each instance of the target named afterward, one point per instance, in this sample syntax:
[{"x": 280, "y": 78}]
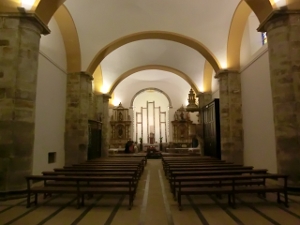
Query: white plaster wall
[
  {"x": 216, "y": 94},
  {"x": 259, "y": 134},
  {"x": 252, "y": 40},
  {"x": 53, "y": 47},
  {"x": 245, "y": 51},
  {"x": 50, "y": 102}
]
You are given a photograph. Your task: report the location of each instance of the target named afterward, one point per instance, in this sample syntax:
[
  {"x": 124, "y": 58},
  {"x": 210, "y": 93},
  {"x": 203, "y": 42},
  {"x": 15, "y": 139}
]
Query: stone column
[
  {"x": 132, "y": 126},
  {"x": 283, "y": 32},
  {"x": 102, "y": 101},
  {"x": 105, "y": 126},
  {"x": 231, "y": 116},
  {"x": 77, "y": 112},
  {"x": 19, "y": 50}
]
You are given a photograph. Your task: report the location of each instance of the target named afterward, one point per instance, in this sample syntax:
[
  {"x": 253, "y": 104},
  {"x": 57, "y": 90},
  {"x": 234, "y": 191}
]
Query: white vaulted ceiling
[
  {"x": 101, "y": 22},
  {"x": 153, "y": 52}
]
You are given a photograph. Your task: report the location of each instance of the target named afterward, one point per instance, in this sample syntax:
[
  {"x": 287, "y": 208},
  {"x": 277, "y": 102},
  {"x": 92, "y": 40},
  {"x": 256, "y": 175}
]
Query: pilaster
[
  {"x": 77, "y": 113},
  {"x": 19, "y": 49},
  {"x": 102, "y": 111},
  {"x": 231, "y": 116},
  {"x": 283, "y": 29},
  {"x": 203, "y": 99}
]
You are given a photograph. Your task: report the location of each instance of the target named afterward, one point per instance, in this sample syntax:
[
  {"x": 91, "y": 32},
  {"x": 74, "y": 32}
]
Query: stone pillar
[
  {"x": 102, "y": 112},
  {"x": 105, "y": 126},
  {"x": 283, "y": 29},
  {"x": 19, "y": 50},
  {"x": 132, "y": 126},
  {"x": 77, "y": 112},
  {"x": 203, "y": 99},
  {"x": 231, "y": 116},
  {"x": 92, "y": 113}
]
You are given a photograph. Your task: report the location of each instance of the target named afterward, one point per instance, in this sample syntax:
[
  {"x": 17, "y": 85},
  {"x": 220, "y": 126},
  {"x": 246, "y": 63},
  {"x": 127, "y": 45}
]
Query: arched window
[{"x": 264, "y": 38}]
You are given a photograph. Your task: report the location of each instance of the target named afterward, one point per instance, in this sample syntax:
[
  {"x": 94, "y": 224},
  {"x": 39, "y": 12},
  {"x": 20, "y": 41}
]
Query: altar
[
  {"x": 147, "y": 145},
  {"x": 152, "y": 151}
]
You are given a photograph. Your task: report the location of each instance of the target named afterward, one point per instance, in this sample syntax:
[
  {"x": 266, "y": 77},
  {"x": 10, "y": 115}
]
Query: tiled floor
[{"x": 153, "y": 206}]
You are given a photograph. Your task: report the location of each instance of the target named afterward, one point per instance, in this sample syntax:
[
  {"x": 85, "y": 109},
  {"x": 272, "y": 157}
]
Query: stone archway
[
  {"x": 157, "y": 67},
  {"x": 152, "y": 89},
  {"x": 163, "y": 35}
]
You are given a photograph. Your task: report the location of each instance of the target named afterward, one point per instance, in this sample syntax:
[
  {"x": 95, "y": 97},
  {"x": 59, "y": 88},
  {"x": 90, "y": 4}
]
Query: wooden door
[
  {"x": 94, "y": 147},
  {"x": 211, "y": 129}
]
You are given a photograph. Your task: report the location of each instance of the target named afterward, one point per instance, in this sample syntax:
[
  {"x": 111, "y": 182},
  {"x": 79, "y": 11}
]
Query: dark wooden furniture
[
  {"x": 211, "y": 129},
  {"x": 80, "y": 186},
  {"x": 95, "y": 137},
  {"x": 232, "y": 185}
]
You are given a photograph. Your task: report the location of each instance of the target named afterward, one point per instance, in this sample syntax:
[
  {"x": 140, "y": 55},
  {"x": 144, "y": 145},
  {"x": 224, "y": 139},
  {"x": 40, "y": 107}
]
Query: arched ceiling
[
  {"x": 100, "y": 22},
  {"x": 153, "y": 52},
  {"x": 166, "y": 81},
  {"x": 205, "y": 31}
]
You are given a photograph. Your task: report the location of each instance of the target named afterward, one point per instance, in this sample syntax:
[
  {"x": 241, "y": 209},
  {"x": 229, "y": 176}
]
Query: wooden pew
[
  {"x": 167, "y": 166},
  {"x": 143, "y": 156},
  {"x": 191, "y": 176},
  {"x": 233, "y": 187},
  {"x": 109, "y": 166},
  {"x": 209, "y": 168},
  {"x": 80, "y": 186}
]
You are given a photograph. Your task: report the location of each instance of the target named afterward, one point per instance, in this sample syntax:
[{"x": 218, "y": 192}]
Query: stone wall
[
  {"x": 283, "y": 31},
  {"x": 231, "y": 116},
  {"x": 77, "y": 115},
  {"x": 19, "y": 49}
]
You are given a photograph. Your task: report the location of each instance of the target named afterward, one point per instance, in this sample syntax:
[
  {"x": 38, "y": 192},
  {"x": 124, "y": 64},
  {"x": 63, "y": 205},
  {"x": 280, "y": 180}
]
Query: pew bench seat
[
  {"x": 80, "y": 186},
  {"x": 234, "y": 187}
]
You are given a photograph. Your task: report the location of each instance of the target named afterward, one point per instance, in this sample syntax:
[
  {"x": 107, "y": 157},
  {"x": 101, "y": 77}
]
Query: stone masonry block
[
  {"x": 24, "y": 115},
  {"x": 12, "y": 23},
  {"x": 4, "y": 42}
]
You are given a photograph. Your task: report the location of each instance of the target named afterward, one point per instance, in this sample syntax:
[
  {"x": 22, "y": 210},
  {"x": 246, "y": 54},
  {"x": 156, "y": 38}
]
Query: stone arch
[
  {"x": 207, "y": 77},
  {"x": 236, "y": 31},
  {"x": 293, "y": 4},
  {"x": 154, "y": 35},
  {"x": 157, "y": 67},
  {"x": 46, "y": 9},
  {"x": 69, "y": 33},
  {"x": 261, "y": 8},
  {"x": 152, "y": 89}
]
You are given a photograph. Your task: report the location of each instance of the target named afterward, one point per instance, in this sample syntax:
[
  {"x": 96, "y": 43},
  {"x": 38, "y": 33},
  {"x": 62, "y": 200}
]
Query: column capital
[
  {"x": 276, "y": 15},
  {"x": 202, "y": 94},
  {"x": 32, "y": 17},
  {"x": 222, "y": 73},
  {"x": 82, "y": 74},
  {"x": 103, "y": 95}
]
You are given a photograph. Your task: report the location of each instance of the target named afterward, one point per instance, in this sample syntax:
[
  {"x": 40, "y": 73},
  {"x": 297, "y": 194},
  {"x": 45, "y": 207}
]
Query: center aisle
[{"x": 149, "y": 205}]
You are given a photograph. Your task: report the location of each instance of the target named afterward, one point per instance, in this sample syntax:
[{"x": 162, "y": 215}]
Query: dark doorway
[
  {"x": 211, "y": 129},
  {"x": 94, "y": 148}
]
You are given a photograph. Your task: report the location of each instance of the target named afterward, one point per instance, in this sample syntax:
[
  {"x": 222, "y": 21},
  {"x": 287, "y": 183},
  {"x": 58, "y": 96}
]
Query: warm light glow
[
  {"x": 278, "y": 3},
  {"x": 27, "y": 4},
  {"x": 116, "y": 101},
  {"x": 104, "y": 88},
  {"x": 201, "y": 88},
  {"x": 224, "y": 65},
  {"x": 186, "y": 102}
]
